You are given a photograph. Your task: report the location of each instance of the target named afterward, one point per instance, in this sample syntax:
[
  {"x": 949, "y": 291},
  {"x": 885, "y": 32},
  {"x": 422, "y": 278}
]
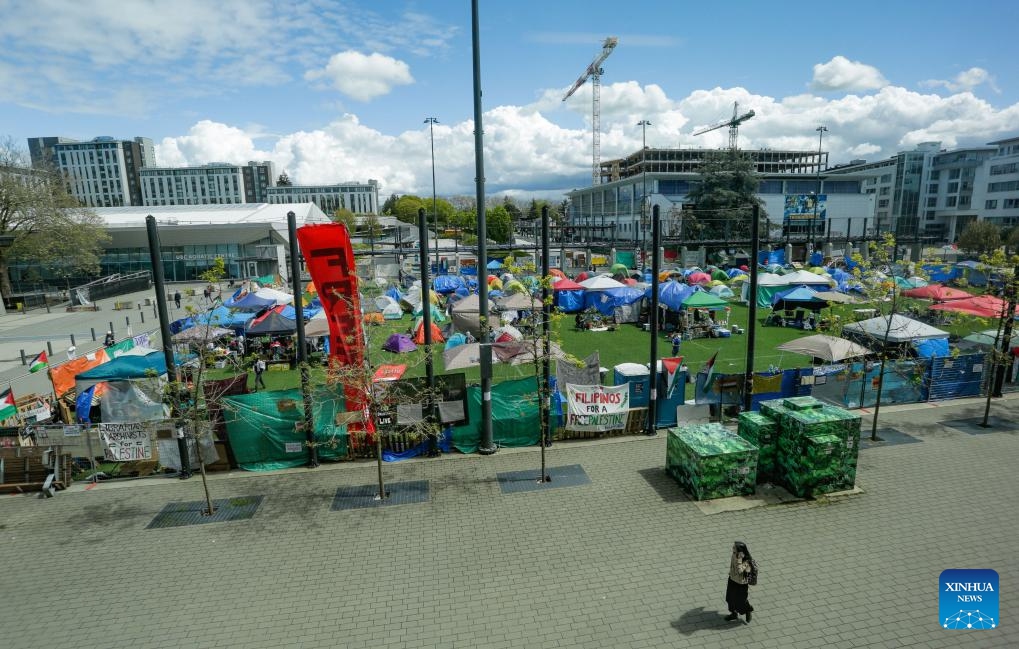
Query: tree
[
  {"x": 406, "y": 208},
  {"x": 41, "y": 223},
  {"x": 723, "y": 198},
  {"x": 215, "y": 273},
  {"x": 373, "y": 229},
  {"x": 283, "y": 180},
  {"x": 347, "y": 218},
  {"x": 512, "y": 209},
  {"x": 389, "y": 207},
  {"x": 499, "y": 224},
  {"x": 980, "y": 237}
]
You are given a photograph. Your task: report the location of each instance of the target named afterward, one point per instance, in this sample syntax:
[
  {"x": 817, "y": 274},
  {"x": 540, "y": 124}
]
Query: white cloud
[
  {"x": 528, "y": 150},
  {"x": 362, "y": 77},
  {"x": 964, "y": 81},
  {"x": 842, "y": 74}
]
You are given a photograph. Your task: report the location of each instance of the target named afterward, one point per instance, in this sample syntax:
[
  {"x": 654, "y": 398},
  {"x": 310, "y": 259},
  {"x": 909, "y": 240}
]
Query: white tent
[
  {"x": 601, "y": 283},
  {"x": 317, "y": 324},
  {"x": 807, "y": 278},
  {"x": 829, "y": 348},
  {"x": 902, "y": 329}
]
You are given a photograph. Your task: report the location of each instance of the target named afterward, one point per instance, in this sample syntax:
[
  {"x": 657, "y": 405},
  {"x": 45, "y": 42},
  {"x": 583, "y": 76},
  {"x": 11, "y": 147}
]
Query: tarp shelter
[
  {"x": 462, "y": 356},
  {"x": 221, "y": 316},
  {"x": 399, "y": 344},
  {"x": 419, "y": 333},
  {"x": 608, "y": 300},
  {"x": 902, "y": 329},
  {"x": 446, "y": 284},
  {"x": 974, "y": 272},
  {"x": 672, "y": 294},
  {"x": 270, "y": 323},
  {"x": 601, "y": 283},
  {"x": 568, "y": 296},
  {"x": 519, "y": 302},
  {"x": 122, "y": 368},
  {"x": 704, "y": 300},
  {"x": 984, "y": 306},
  {"x": 259, "y": 299},
  {"x": 937, "y": 292},
  {"x": 466, "y": 315},
  {"x": 799, "y": 297},
  {"x": 828, "y": 348}
]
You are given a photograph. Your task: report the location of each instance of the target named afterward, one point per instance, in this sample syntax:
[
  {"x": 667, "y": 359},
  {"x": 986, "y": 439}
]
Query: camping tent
[
  {"x": 722, "y": 291},
  {"x": 829, "y": 348},
  {"x": 270, "y": 323},
  {"x": 419, "y": 332},
  {"x": 466, "y": 314},
  {"x": 902, "y": 329},
  {"x": 672, "y": 294},
  {"x": 937, "y": 292},
  {"x": 399, "y": 344},
  {"x": 259, "y": 299},
  {"x": 601, "y": 283},
  {"x": 767, "y": 285},
  {"x": 519, "y": 302}
]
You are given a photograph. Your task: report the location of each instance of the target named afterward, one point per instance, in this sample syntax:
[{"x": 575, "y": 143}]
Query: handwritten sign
[
  {"x": 125, "y": 442},
  {"x": 597, "y": 407}
]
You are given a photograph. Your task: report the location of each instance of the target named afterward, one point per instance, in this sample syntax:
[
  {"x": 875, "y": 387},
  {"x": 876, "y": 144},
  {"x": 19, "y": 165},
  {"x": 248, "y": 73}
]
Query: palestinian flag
[
  {"x": 672, "y": 367},
  {"x": 709, "y": 367},
  {"x": 7, "y": 407},
  {"x": 40, "y": 362}
]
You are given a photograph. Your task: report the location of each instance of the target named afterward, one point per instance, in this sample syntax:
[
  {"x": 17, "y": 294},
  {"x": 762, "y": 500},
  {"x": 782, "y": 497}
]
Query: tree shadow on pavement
[
  {"x": 697, "y": 619},
  {"x": 666, "y": 487}
]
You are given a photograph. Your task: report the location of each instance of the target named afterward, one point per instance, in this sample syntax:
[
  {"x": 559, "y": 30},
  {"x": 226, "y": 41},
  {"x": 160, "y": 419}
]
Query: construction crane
[
  {"x": 594, "y": 72},
  {"x": 733, "y": 125}
]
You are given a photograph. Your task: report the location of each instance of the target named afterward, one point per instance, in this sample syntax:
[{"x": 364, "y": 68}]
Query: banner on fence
[
  {"x": 597, "y": 407},
  {"x": 588, "y": 373},
  {"x": 126, "y": 441}
]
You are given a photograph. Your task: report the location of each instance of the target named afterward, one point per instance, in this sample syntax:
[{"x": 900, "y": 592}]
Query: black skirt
[{"x": 736, "y": 598}]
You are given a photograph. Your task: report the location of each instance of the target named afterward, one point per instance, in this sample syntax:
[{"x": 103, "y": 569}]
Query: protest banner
[
  {"x": 597, "y": 407},
  {"x": 126, "y": 441}
]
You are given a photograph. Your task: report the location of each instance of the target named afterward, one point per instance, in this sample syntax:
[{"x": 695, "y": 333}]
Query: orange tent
[{"x": 419, "y": 334}]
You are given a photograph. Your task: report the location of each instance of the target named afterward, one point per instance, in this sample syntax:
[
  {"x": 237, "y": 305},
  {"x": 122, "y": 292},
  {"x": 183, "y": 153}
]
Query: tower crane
[
  {"x": 594, "y": 72},
  {"x": 733, "y": 125}
]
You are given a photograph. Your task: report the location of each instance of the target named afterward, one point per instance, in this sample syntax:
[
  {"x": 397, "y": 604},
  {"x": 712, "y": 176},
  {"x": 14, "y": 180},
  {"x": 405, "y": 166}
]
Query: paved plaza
[{"x": 624, "y": 560}]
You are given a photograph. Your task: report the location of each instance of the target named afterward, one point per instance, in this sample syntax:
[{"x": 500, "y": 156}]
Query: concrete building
[
  {"x": 258, "y": 178},
  {"x": 251, "y": 238},
  {"x": 613, "y": 210},
  {"x": 103, "y": 172},
  {"x": 359, "y": 198}
]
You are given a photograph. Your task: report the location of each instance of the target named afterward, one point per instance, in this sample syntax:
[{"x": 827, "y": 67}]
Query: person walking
[
  {"x": 677, "y": 340},
  {"x": 176, "y": 299},
  {"x": 259, "y": 370},
  {"x": 741, "y": 565},
  {"x": 109, "y": 340}
]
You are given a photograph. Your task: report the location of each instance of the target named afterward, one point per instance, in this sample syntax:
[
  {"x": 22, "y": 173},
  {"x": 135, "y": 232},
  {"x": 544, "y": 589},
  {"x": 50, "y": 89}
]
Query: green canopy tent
[{"x": 704, "y": 300}]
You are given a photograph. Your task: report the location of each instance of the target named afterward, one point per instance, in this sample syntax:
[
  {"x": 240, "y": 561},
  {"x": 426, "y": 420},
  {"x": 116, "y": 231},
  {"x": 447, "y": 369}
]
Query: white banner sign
[
  {"x": 597, "y": 407},
  {"x": 124, "y": 442}
]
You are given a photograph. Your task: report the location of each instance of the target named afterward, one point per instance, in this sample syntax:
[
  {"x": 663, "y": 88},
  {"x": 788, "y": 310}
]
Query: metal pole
[
  {"x": 884, "y": 362},
  {"x": 545, "y": 392},
  {"x": 643, "y": 124},
  {"x": 426, "y": 313},
  {"x": 302, "y": 345},
  {"x": 817, "y": 196},
  {"x": 486, "y": 446},
  {"x": 652, "y": 409},
  {"x": 431, "y": 121},
  {"x": 755, "y": 247},
  {"x": 156, "y": 258}
]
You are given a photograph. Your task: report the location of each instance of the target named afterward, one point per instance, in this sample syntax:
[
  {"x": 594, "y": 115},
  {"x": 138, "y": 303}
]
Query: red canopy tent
[
  {"x": 984, "y": 306},
  {"x": 937, "y": 292},
  {"x": 567, "y": 285}
]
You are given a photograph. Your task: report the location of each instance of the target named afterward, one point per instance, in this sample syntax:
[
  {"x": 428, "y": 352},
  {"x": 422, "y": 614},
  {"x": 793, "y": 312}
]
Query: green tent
[
  {"x": 619, "y": 268},
  {"x": 720, "y": 275},
  {"x": 704, "y": 300}
]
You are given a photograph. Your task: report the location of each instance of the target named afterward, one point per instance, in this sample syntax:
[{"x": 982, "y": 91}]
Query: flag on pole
[
  {"x": 7, "y": 406},
  {"x": 709, "y": 367},
  {"x": 40, "y": 362},
  {"x": 671, "y": 366}
]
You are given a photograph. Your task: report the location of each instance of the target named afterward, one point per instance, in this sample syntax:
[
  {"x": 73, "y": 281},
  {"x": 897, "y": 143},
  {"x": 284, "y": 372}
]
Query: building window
[
  {"x": 935, "y": 174},
  {"x": 991, "y": 204},
  {"x": 932, "y": 201},
  {"x": 1009, "y": 186},
  {"x": 884, "y": 191},
  {"x": 997, "y": 170},
  {"x": 886, "y": 178},
  {"x": 883, "y": 202},
  {"x": 950, "y": 201},
  {"x": 964, "y": 201},
  {"x": 1011, "y": 203},
  {"x": 953, "y": 188},
  {"x": 953, "y": 174},
  {"x": 929, "y": 215}
]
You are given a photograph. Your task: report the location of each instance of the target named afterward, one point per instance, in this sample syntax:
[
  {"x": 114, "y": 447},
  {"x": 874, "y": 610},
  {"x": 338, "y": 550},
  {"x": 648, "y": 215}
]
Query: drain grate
[
  {"x": 571, "y": 475},
  {"x": 178, "y": 514},
  {"x": 398, "y": 493}
]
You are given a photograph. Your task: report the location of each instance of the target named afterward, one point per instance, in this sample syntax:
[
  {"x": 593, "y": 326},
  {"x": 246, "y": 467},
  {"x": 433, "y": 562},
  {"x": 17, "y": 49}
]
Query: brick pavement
[{"x": 626, "y": 561}]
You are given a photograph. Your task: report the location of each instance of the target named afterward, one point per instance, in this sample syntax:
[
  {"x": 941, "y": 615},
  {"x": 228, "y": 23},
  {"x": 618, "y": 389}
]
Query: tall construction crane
[
  {"x": 733, "y": 125},
  {"x": 594, "y": 72}
]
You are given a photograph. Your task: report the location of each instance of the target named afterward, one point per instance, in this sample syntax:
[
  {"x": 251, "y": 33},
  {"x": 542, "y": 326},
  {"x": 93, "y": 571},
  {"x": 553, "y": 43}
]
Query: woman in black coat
[{"x": 736, "y": 591}]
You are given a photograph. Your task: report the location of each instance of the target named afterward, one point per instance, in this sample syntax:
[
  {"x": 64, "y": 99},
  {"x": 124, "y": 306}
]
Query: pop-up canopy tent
[
  {"x": 601, "y": 283},
  {"x": 799, "y": 297},
  {"x": 936, "y": 292},
  {"x": 568, "y": 295},
  {"x": 829, "y": 348},
  {"x": 902, "y": 329},
  {"x": 271, "y": 323},
  {"x": 704, "y": 300}
]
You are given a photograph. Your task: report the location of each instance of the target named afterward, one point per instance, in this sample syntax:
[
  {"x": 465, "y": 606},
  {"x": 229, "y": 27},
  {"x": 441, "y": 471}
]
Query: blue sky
[{"x": 335, "y": 91}]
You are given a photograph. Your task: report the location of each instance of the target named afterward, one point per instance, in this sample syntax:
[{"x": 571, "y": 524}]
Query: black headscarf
[{"x": 740, "y": 546}]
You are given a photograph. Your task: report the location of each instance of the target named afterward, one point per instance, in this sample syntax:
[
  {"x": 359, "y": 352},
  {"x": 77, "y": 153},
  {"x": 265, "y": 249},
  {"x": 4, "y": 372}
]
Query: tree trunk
[{"x": 6, "y": 289}]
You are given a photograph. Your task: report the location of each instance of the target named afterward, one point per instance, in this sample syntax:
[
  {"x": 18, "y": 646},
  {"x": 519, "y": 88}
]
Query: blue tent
[
  {"x": 606, "y": 301},
  {"x": 799, "y": 297},
  {"x": 495, "y": 264},
  {"x": 446, "y": 284},
  {"x": 394, "y": 293},
  {"x": 816, "y": 259},
  {"x": 569, "y": 301},
  {"x": 770, "y": 257},
  {"x": 942, "y": 273},
  {"x": 224, "y": 317},
  {"x": 936, "y": 348},
  {"x": 672, "y": 294}
]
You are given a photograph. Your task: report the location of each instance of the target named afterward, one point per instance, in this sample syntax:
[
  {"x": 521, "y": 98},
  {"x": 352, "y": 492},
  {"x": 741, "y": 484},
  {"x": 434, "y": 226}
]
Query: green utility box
[
  {"x": 709, "y": 462},
  {"x": 762, "y": 432}
]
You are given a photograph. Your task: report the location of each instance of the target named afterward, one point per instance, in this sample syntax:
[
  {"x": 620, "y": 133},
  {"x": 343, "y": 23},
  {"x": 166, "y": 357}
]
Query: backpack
[{"x": 752, "y": 577}]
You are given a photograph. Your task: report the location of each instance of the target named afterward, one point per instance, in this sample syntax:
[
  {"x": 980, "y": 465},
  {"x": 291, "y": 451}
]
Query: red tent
[
  {"x": 582, "y": 276},
  {"x": 567, "y": 285},
  {"x": 937, "y": 292},
  {"x": 985, "y": 306}
]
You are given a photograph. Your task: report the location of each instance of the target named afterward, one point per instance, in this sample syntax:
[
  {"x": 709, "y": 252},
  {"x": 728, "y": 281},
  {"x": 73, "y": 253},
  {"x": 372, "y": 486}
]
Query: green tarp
[
  {"x": 515, "y": 417},
  {"x": 261, "y": 428}
]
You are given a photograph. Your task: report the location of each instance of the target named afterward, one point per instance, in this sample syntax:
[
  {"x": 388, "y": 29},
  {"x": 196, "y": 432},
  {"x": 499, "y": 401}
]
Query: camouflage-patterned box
[
  {"x": 775, "y": 410},
  {"x": 762, "y": 432},
  {"x": 818, "y": 450},
  {"x": 709, "y": 461},
  {"x": 802, "y": 403}
]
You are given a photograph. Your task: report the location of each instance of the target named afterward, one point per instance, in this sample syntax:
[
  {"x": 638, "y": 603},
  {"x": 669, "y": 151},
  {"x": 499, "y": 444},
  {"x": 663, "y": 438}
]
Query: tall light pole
[
  {"x": 821, "y": 130},
  {"x": 643, "y": 124},
  {"x": 431, "y": 121}
]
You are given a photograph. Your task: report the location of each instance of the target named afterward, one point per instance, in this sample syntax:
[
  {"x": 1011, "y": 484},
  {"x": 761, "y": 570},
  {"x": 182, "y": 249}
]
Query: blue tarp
[
  {"x": 942, "y": 273},
  {"x": 569, "y": 301},
  {"x": 796, "y": 294},
  {"x": 445, "y": 444},
  {"x": 183, "y": 324},
  {"x": 224, "y": 317},
  {"x": 308, "y": 312},
  {"x": 672, "y": 294},
  {"x": 446, "y": 284},
  {"x": 495, "y": 264},
  {"x": 816, "y": 259},
  {"x": 606, "y": 301},
  {"x": 931, "y": 348},
  {"x": 126, "y": 367},
  {"x": 766, "y": 257},
  {"x": 394, "y": 293}
]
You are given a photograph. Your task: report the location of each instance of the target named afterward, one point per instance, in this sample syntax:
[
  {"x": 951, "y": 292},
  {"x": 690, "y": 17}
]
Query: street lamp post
[
  {"x": 821, "y": 130},
  {"x": 643, "y": 124},
  {"x": 431, "y": 121}
]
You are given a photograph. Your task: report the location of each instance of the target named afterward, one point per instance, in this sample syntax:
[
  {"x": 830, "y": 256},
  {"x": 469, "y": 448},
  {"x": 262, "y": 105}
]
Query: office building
[
  {"x": 103, "y": 172},
  {"x": 359, "y": 198}
]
